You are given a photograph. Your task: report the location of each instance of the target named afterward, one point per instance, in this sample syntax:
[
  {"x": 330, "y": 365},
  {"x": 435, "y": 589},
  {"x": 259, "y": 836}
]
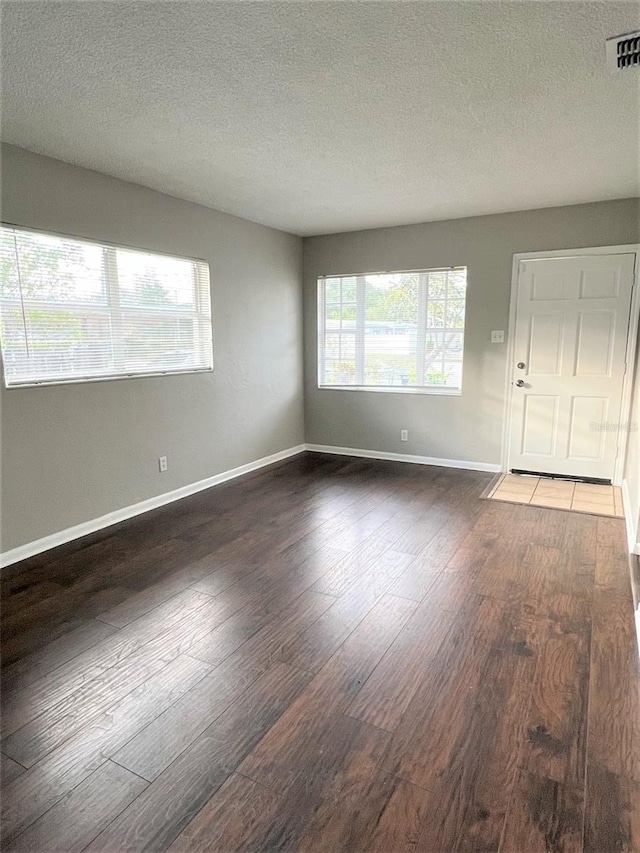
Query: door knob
[
  {"x": 521, "y": 365},
  {"x": 520, "y": 383}
]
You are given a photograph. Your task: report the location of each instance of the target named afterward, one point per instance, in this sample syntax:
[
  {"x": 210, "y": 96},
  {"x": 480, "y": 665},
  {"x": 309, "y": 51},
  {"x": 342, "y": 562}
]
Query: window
[
  {"x": 398, "y": 331},
  {"x": 73, "y": 310}
]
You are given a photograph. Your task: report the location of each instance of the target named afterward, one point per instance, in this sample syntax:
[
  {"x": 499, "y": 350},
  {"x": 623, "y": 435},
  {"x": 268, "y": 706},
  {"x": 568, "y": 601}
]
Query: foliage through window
[
  {"x": 390, "y": 331},
  {"x": 75, "y": 310}
]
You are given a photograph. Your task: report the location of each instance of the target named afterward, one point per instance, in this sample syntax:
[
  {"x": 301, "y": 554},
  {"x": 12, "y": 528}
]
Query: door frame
[{"x": 632, "y": 342}]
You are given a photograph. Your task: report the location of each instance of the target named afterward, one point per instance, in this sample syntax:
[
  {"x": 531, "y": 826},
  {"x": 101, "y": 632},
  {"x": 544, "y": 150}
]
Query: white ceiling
[{"x": 318, "y": 117}]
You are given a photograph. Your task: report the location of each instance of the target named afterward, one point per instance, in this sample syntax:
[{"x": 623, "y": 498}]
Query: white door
[{"x": 572, "y": 321}]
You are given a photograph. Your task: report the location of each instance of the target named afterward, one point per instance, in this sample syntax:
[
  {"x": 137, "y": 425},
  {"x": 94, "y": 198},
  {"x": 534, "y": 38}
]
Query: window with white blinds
[
  {"x": 73, "y": 310},
  {"x": 397, "y": 331}
]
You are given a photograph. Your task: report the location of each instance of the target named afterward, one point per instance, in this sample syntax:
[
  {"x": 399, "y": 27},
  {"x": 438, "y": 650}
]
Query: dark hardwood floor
[{"x": 330, "y": 655}]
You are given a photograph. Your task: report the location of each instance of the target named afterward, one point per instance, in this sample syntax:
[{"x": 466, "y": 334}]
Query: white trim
[
  {"x": 632, "y": 338},
  {"x": 386, "y": 272},
  {"x": 624, "y": 249},
  {"x": 633, "y": 532},
  {"x": 54, "y": 539},
  {"x": 116, "y": 312},
  {"x": 440, "y": 390},
  {"x": 511, "y": 348},
  {"x": 359, "y": 332},
  {"x": 630, "y": 361},
  {"x": 404, "y": 457}
]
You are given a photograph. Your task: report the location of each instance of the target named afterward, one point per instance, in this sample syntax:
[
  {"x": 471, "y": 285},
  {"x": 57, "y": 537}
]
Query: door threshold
[{"x": 595, "y": 481}]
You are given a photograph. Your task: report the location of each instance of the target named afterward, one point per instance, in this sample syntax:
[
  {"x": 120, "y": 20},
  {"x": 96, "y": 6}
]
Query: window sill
[
  {"x": 441, "y": 392},
  {"x": 45, "y": 383}
]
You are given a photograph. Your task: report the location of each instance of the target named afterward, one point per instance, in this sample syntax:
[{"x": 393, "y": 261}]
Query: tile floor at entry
[{"x": 559, "y": 494}]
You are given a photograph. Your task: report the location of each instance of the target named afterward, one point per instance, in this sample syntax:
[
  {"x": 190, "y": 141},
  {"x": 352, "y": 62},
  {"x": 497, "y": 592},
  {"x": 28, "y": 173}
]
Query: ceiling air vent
[{"x": 623, "y": 51}]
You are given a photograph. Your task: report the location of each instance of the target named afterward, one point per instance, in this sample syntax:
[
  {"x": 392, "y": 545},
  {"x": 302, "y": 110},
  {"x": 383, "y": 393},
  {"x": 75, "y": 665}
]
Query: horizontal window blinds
[
  {"x": 74, "y": 310},
  {"x": 392, "y": 330}
]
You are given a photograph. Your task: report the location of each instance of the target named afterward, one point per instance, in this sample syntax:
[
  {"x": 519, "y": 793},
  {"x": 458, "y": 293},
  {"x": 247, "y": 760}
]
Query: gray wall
[
  {"x": 468, "y": 427},
  {"x": 71, "y": 453}
]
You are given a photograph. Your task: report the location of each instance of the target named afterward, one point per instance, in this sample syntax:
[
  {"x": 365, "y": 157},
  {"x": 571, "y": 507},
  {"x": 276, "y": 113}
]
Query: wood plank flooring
[{"x": 331, "y": 655}]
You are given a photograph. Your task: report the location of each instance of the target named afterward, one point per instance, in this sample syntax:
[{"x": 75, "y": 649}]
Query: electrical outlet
[
  {"x": 497, "y": 337},
  {"x": 162, "y": 464},
  {"x": 404, "y": 435}
]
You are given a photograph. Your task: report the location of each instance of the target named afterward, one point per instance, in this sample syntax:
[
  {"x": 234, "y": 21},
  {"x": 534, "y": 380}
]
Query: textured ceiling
[{"x": 318, "y": 117}]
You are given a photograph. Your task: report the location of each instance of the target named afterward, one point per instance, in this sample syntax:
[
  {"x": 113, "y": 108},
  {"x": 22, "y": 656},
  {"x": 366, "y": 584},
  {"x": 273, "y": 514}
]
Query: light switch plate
[{"x": 497, "y": 337}]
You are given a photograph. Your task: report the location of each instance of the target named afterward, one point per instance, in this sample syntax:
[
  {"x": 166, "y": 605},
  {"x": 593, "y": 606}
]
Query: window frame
[
  {"x": 111, "y": 308},
  {"x": 421, "y": 320}
]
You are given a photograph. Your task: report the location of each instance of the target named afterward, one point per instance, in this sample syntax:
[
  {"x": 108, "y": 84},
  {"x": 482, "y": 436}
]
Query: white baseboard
[
  {"x": 405, "y": 457},
  {"x": 78, "y": 530},
  {"x": 54, "y": 539},
  {"x": 632, "y": 531}
]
